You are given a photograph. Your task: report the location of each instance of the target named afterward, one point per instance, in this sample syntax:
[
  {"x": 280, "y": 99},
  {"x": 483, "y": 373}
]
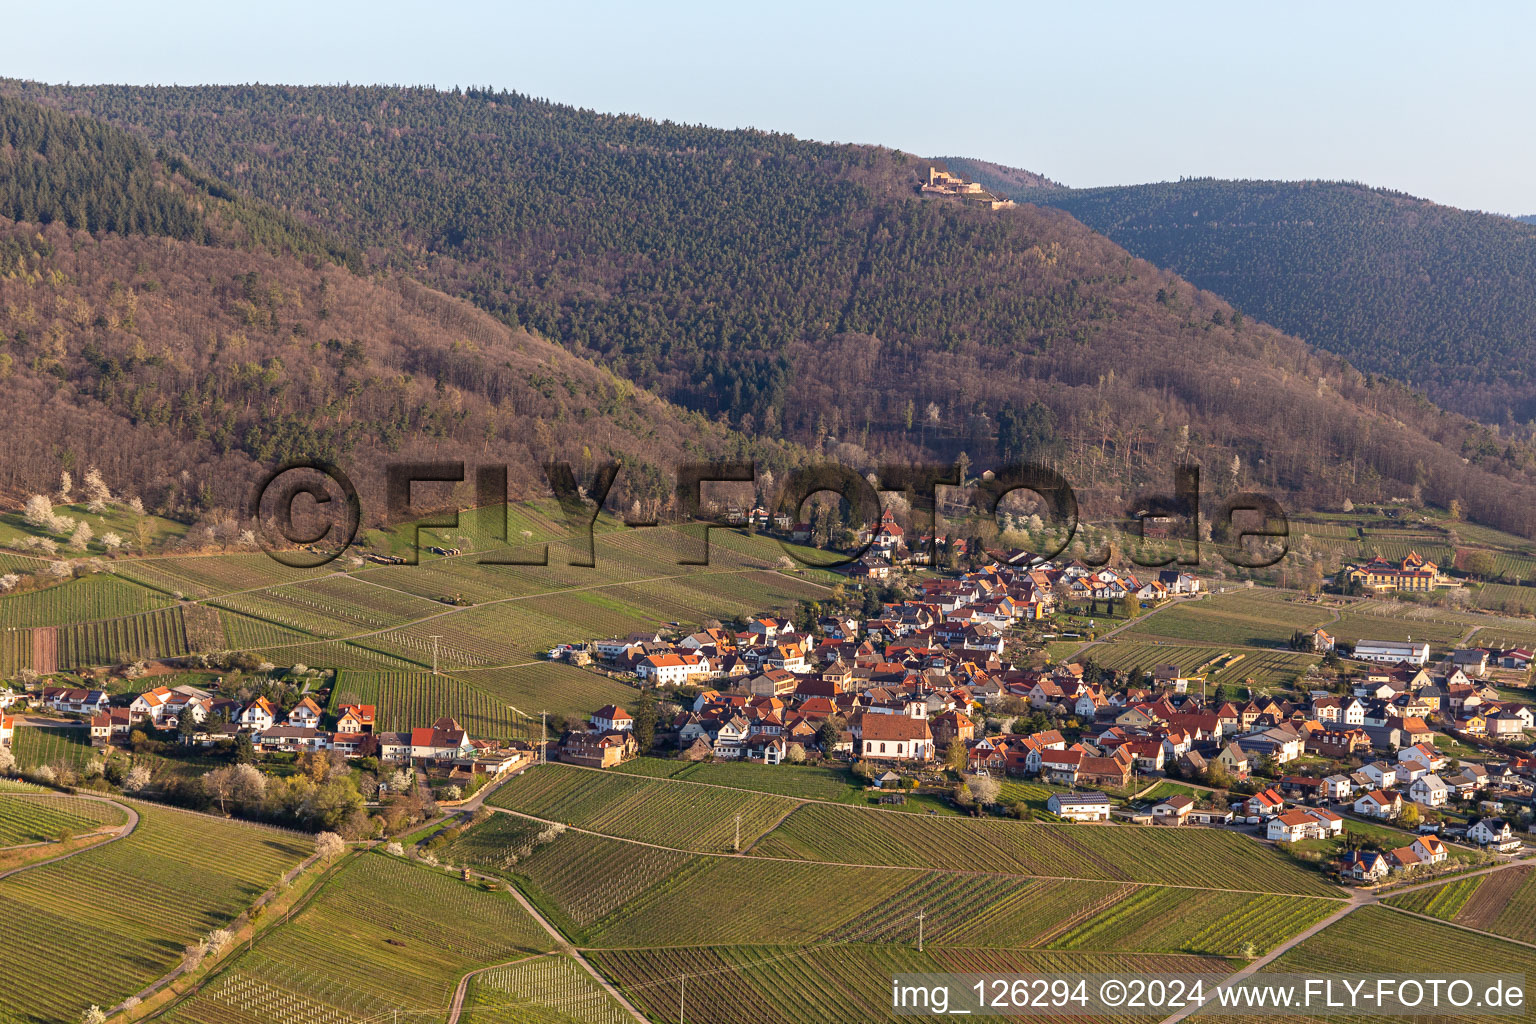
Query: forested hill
[
  {"x": 184, "y": 338},
  {"x": 1529, "y": 218},
  {"x": 808, "y": 292},
  {"x": 81, "y": 173},
  {"x": 1440, "y": 297}
]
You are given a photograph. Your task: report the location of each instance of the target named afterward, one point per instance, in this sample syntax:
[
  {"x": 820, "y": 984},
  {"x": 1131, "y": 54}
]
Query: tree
[
  {"x": 984, "y": 789},
  {"x": 1409, "y": 818},
  {"x": 644, "y": 727},
  {"x": 7, "y": 761},
  {"x": 329, "y": 846},
  {"x": 828, "y": 736},
  {"x": 137, "y": 778},
  {"x": 955, "y": 756},
  {"x": 93, "y": 1015}
]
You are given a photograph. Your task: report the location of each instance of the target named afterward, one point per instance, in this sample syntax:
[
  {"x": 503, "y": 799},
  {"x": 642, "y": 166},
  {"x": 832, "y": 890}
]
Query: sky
[{"x": 1424, "y": 98}]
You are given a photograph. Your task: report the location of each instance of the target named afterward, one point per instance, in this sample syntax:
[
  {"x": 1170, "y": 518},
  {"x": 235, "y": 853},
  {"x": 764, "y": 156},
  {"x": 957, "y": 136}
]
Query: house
[
  {"x": 951, "y": 726},
  {"x": 109, "y": 725},
  {"x": 596, "y": 749},
  {"x": 1173, "y": 811},
  {"x": 1379, "y": 804},
  {"x": 1379, "y": 575},
  {"x": 612, "y": 718},
  {"x": 1234, "y": 761},
  {"x": 305, "y": 714},
  {"x": 75, "y": 701},
  {"x": 1430, "y": 849},
  {"x": 1473, "y": 661},
  {"x": 1338, "y": 787},
  {"x": 1293, "y": 827},
  {"x": 1264, "y": 804},
  {"x": 356, "y": 719},
  {"x": 672, "y": 669},
  {"x": 443, "y": 740},
  {"x": 897, "y": 737},
  {"x": 1364, "y": 866},
  {"x": 257, "y": 716},
  {"x": 7, "y": 729},
  {"x": 1429, "y": 790},
  {"x": 1423, "y": 755},
  {"x": 150, "y": 704},
  {"x": 1405, "y": 858},
  {"x": 1494, "y": 834},
  {"x": 1392, "y": 652},
  {"x": 1079, "y": 806},
  {"x": 292, "y": 739}
]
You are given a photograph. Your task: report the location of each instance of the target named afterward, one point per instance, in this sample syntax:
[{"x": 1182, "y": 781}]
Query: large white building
[{"x": 1414, "y": 652}]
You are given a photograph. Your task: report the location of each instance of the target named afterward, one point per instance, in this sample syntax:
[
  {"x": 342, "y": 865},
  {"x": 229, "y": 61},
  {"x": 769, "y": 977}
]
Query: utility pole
[
  {"x": 920, "y": 916},
  {"x": 681, "y": 992},
  {"x": 738, "y": 833},
  {"x": 543, "y": 737},
  {"x": 434, "y": 638}
]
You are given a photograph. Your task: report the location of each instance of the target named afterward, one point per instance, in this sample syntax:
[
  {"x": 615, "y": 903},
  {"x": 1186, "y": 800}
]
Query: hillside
[
  {"x": 806, "y": 292},
  {"x": 1439, "y": 297},
  {"x": 177, "y": 368}
]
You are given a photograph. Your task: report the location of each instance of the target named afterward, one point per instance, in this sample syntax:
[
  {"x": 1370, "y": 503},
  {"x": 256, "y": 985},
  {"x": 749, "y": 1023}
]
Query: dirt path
[
  {"x": 1355, "y": 903},
  {"x": 572, "y": 952},
  {"x": 123, "y": 831},
  {"x": 459, "y": 993}
]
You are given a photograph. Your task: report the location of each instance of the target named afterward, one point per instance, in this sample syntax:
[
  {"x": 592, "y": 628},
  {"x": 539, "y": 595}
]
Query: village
[
  {"x": 922, "y": 695},
  {"x": 938, "y": 692}
]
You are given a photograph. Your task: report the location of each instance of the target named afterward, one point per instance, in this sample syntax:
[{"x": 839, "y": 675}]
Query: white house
[
  {"x": 1495, "y": 833},
  {"x": 1379, "y": 804},
  {"x": 1423, "y": 755},
  {"x": 1079, "y": 806},
  {"x": 895, "y": 737},
  {"x": 1430, "y": 849},
  {"x": 1381, "y": 774},
  {"x": 305, "y": 714},
  {"x": 150, "y": 704},
  {"x": 1414, "y": 652},
  {"x": 1338, "y": 787},
  {"x": 672, "y": 669},
  {"x": 1429, "y": 791},
  {"x": 257, "y": 716},
  {"x": 612, "y": 718}
]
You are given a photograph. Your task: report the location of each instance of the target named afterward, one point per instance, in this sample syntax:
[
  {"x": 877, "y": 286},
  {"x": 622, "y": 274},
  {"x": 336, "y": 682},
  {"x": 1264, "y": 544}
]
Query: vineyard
[
  {"x": 152, "y": 635},
  {"x": 48, "y": 745},
  {"x": 1222, "y": 666},
  {"x": 543, "y": 990},
  {"x": 99, "y": 596},
  {"x": 650, "y": 810},
  {"x": 1160, "y": 920},
  {"x": 1371, "y": 940},
  {"x": 1119, "y": 853},
  {"x": 1229, "y": 619},
  {"x": 578, "y": 879},
  {"x": 552, "y": 686},
  {"x": 833, "y": 982},
  {"x": 176, "y": 877},
  {"x": 383, "y": 934},
  {"x": 1503, "y": 903},
  {"x": 407, "y": 700},
  {"x": 45, "y": 817}
]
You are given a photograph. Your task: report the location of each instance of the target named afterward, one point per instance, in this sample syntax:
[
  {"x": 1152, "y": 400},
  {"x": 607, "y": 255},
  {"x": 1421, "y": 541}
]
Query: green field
[
  {"x": 542, "y": 990},
  {"x": 1242, "y": 618},
  {"x": 407, "y": 700},
  {"x": 1203, "y": 857},
  {"x": 676, "y": 814},
  {"x": 49, "y": 745},
  {"x": 835, "y": 982},
  {"x": 1503, "y": 903},
  {"x": 176, "y": 877},
  {"x": 99, "y": 596},
  {"x": 1371, "y": 940},
  {"x": 383, "y": 934},
  {"x": 1222, "y": 666},
  {"x": 152, "y": 635},
  {"x": 45, "y": 817}
]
